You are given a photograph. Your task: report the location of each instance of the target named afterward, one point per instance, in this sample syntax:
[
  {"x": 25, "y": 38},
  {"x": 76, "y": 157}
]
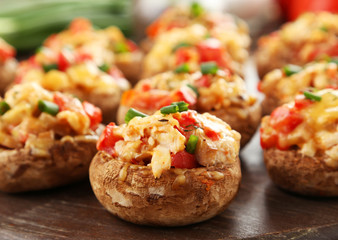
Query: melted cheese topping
[
  {"x": 318, "y": 75},
  {"x": 316, "y": 32},
  {"x": 85, "y": 76},
  {"x": 318, "y": 131},
  {"x": 235, "y": 42},
  {"x": 155, "y": 138},
  {"x": 225, "y": 91},
  {"x": 24, "y": 125}
]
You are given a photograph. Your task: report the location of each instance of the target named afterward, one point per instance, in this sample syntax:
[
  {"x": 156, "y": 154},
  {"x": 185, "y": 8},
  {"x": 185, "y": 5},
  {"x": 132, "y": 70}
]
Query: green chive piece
[
  {"x": 4, "y": 107},
  {"x": 324, "y": 29},
  {"x": 180, "y": 45},
  {"x": 48, "y": 107},
  {"x": 334, "y": 60},
  {"x": 183, "y": 68},
  {"x": 121, "y": 47},
  {"x": 192, "y": 143},
  {"x": 49, "y": 67},
  {"x": 133, "y": 113},
  {"x": 104, "y": 67},
  {"x": 291, "y": 69},
  {"x": 182, "y": 106},
  {"x": 196, "y": 9},
  {"x": 311, "y": 96},
  {"x": 194, "y": 89},
  {"x": 39, "y": 49},
  {"x": 209, "y": 68},
  {"x": 170, "y": 109},
  {"x": 208, "y": 35}
]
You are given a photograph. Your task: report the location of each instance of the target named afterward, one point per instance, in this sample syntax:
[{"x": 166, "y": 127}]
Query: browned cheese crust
[
  {"x": 69, "y": 161},
  {"x": 179, "y": 197},
  {"x": 301, "y": 174}
]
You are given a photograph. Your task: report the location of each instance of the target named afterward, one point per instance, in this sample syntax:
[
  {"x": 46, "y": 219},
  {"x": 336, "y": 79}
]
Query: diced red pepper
[
  {"x": 187, "y": 95},
  {"x": 267, "y": 141},
  {"x": 94, "y": 113},
  {"x": 108, "y": 139},
  {"x": 211, "y": 50},
  {"x": 132, "y": 47},
  {"x": 153, "y": 29},
  {"x": 204, "y": 81},
  {"x": 68, "y": 103},
  {"x": 183, "y": 55},
  {"x": 212, "y": 134},
  {"x": 6, "y": 52},
  {"x": 63, "y": 61},
  {"x": 301, "y": 103},
  {"x": 285, "y": 120},
  {"x": 80, "y": 25},
  {"x": 183, "y": 159},
  {"x": 82, "y": 57}
]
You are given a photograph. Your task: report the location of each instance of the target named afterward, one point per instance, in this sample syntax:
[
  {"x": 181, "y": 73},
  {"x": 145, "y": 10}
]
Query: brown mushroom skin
[
  {"x": 69, "y": 160},
  {"x": 179, "y": 197},
  {"x": 304, "y": 175}
]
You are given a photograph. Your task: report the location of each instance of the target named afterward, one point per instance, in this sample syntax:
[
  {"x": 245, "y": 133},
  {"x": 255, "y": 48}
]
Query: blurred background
[{"x": 26, "y": 23}]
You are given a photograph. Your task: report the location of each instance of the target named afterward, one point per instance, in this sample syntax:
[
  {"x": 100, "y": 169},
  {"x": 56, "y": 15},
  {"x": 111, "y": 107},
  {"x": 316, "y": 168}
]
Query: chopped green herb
[
  {"x": 49, "y": 67},
  {"x": 133, "y": 113},
  {"x": 209, "y": 68},
  {"x": 104, "y": 67},
  {"x": 192, "y": 143},
  {"x": 184, "y": 68},
  {"x": 324, "y": 29},
  {"x": 291, "y": 69},
  {"x": 208, "y": 35},
  {"x": 313, "y": 97},
  {"x": 121, "y": 47},
  {"x": 194, "y": 89},
  {"x": 182, "y": 106},
  {"x": 169, "y": 109},
  {"x": 48, "y": 107},
  {"x": 4, "y": 107},
  {"x": 182, "y": 44},
  {"x": 196, "y": 9},
  {"x": 334, "y": 60}
]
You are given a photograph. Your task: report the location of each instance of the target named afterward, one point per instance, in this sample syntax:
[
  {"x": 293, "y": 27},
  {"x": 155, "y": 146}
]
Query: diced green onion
[
  {"x": 182, "y": 44},
  {"x": 313, "y": 97},
  {"x": 170, "y": 109},
  {"x": 291, "y": 69},
  {"x": 324, "y": 29},
  {"x": 104, "y": 67},
  {"x": 194, "y": 89},
  {"x": 334, "y": 60},
  {"x": 196, "y": 9},
  {"x": 209, "y": 68},
  {"x": 183, "y": 68},
  {"x": 182, "y": 106},
  {"x": 49, "y": 67},
  {"x": 121, "y": 47},
  {"x": 133, "y": 113},
  {"x": 48, "y": 107},
  {"x": 192, "y": 143},
  {"x": 207, "y": 35},
  {"x": 4, "y": 107}
]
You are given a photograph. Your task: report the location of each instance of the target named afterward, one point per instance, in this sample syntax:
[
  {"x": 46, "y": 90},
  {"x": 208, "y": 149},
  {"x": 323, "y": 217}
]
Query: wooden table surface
[{"x": 260, "y": 210}]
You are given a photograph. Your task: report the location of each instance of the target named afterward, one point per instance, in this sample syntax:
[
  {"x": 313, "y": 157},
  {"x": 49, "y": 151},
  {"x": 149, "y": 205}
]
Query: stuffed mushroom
[
  {"x": 47, "y": 139},
  {"x": 173, "y": 168},
  {"x": 282, "y": 85},
  {"x": 209, "y": 90},
  {"x": 313, "y": 36},
  {"x": 300, "y": 143}
]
